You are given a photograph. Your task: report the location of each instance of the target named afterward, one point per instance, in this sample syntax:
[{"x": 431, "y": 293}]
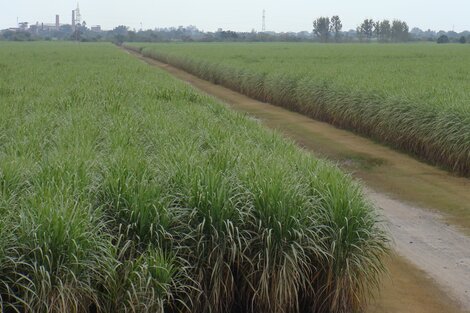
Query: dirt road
[
  {"x": 438, "y": 249},
  {"x": 428, "y": 209}
]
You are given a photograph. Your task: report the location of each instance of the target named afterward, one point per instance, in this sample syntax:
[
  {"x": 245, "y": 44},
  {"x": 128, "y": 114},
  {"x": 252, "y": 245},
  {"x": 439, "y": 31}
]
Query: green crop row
[
  {"x": 412, "y": 97},
  {"x": 123, "y": 190}
]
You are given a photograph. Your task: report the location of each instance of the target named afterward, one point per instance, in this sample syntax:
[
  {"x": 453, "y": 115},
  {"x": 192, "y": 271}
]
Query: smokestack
[
  {"x": 57, "y": 22},
  {"x": 73, "y": 19}
]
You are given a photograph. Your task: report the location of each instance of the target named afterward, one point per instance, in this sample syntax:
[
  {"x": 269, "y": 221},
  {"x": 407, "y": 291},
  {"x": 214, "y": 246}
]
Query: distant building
[
  {"x": 34, "y": 28},
  {"x": 12, "y": 29},
  {"x": 23, "y": 25},
  {"x": 96, "y": 28},
  {"x": 73, "y": 19},
  {"x": 54, "y": 27},
  {"x": 48, "y": 27}
]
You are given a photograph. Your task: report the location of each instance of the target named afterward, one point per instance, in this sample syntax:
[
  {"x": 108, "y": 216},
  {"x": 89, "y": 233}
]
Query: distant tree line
[
  {"x": 330, "y": 29},
  {"x": 192, "y": 33},
  {"x": 325, "y": 29},
  {"x": 65, "y": 32},
  {"x": 123, "y": 33},
  {"x": 441, "y": 36}
]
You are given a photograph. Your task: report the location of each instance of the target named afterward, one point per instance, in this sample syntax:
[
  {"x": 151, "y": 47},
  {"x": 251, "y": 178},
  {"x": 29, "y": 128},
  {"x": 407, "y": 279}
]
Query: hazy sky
[{"x": 240, "y": 15}]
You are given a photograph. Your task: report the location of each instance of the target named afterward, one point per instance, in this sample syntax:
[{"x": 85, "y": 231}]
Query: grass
[
  {"x": 414, "y": 97},
  {"x": 123, "y": 190}
]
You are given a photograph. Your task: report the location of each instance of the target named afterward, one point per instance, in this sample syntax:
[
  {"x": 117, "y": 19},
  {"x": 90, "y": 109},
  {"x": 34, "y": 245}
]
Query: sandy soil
[
  {"x": 438, "y": 249},
  {"x": 428, "y": 210},
  {"x": 407, "y": 289}
]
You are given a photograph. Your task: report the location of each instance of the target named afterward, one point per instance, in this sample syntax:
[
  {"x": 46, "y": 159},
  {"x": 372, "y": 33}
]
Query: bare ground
[
  {"x": 428, "y": 209},
  {"x": 439, "y": 250}
]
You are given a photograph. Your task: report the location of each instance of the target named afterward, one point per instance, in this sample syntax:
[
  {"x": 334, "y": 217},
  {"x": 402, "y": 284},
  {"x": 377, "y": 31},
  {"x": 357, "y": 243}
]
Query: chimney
[
  {"x": 57, "y": 22},
  {"x": 73, "y": 19}
]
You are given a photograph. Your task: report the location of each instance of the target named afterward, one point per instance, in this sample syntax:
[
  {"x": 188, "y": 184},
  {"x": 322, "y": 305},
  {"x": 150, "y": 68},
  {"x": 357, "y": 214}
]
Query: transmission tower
[
  {"x": 263, "y": 28},
  {"x": 78, "y": 16}
]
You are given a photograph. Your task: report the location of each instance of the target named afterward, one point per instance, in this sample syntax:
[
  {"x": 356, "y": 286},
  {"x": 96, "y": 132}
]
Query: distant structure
[
  {"x": 50, "y": 27},
  {"x": 23, "y": 25},
  {"x": 76, "y": 17},
  {"x": 55, "y": 29},
  {"x": 263, "y": 27},
  {"x": 96, "y": 28}
]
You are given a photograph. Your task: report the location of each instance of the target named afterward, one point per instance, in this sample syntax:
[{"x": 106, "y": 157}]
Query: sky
[{"x": 239, "y": 15}]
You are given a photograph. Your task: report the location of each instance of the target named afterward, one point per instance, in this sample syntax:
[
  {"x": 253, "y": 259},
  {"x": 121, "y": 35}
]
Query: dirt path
[
  {"x": 439, "y": 250},
  {"x": 432, "y": 273}
]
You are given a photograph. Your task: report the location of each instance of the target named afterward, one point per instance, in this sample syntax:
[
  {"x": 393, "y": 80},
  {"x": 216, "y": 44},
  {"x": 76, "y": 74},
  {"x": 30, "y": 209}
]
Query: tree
[
  {"x": 385, "y": 31},
  {"x": 226, "y": 35},
  {"x": 366, "y": 30},
  {"x": 336, "y": 27},
  {"x": 16, "y": 35},
  {"x": 360, "y": 33},
  {"x": 405, "y": 34},
  {"x": 377, "y": 29},
  {"x": 77, "y": 33},
  {"x": 120, "y": 34},
  {"x": 121, "y": 30},
  {"x": 321, "y": 28},
  {"x": 443, "y": 39},
  {"x": 400, "y": 31},
  {"x": 462, "y": 39}
]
